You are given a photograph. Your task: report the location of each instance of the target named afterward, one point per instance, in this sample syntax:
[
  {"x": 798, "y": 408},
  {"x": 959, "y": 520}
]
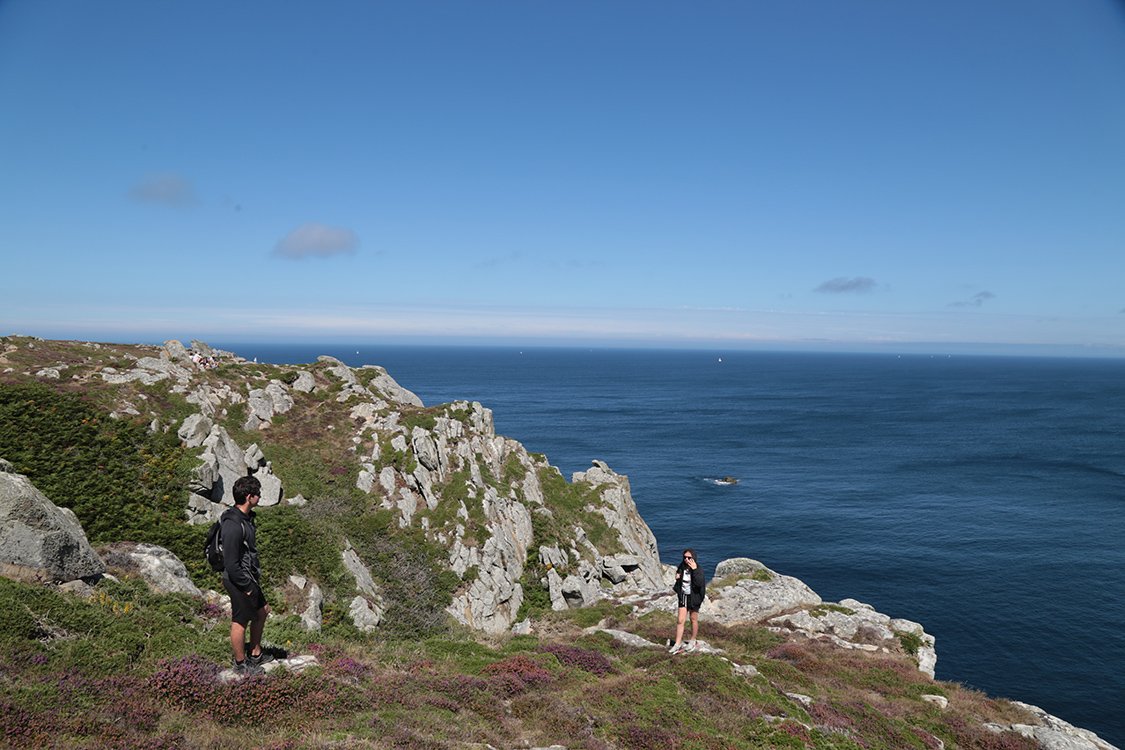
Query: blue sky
[{"x": 801, "y": 175}]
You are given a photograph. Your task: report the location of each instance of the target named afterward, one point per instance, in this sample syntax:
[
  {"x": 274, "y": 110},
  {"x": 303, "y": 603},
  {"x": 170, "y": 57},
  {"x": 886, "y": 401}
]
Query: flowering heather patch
[
  {"x": 186, "y": 682},
  {"x": 572, "y": 656},
  {"x": 888, "y": 676},
  {"x": 282, "y": 699},
  {"x": 23, "y": 728},
  {"x": 110, "y": 737},
  {"x": 19, "y": 657},
  {"x": 506, "y": 685},
  {"x": 973, "y": 737},
  {"x": 126, "y": 701},
  {"x": 462, "y": 688},
  {"x": 830, "y": 716},
  {"x": 646, "y": 737},
  {"x": 392, "y": 689},
  {"x": 790, "y": 652},
  {"x": 209, "y": 610},
  {"x": 191, "y": 683},
  {"x": 515, "y": 672},
  {"x": 875, "y": 728},
  {"x": 795, "y": 729},
  {"x": 347, "y": 667}
]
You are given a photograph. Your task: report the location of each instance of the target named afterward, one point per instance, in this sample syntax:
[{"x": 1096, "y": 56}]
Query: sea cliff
[{"x": 384, "y": 519}]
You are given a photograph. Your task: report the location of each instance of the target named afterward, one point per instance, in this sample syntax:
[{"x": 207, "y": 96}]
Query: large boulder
[
  {"x": 159, "y": 568},
  {"x": 745, "y": 598},
  {"x": 194, "y": 430},
  {"x": 39, "y": 541}
]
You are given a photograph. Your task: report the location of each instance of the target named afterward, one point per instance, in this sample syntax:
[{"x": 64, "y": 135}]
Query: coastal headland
[{"x": 433, "y": 584}]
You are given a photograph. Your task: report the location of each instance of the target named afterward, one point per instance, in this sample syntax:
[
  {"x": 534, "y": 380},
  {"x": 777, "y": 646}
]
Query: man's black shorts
[{"x": 244, "y": 607}]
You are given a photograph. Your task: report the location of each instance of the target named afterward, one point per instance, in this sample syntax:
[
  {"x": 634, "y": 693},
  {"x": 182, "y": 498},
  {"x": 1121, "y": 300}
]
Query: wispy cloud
[
  {"x": 313, "y": 238},
  {"x": 167, "y": 188},
  {"x": 498, "y": 260},
  {"x": 976, "y": 300},
  {"x": 844, "y": 285}
]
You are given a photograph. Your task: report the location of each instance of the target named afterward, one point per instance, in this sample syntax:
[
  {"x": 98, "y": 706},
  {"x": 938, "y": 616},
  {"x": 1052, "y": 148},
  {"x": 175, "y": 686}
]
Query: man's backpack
[{"x": 213, "y": 547}]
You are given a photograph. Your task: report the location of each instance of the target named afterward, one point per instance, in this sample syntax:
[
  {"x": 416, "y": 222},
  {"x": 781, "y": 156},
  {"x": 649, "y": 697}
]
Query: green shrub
[
  {"x": 424, "y": 418},
  {"x": 910, "y": 642},
  {"x": 288, "y": 543},
  {"x": 122, "y": 482},
  {"x": 412, "y": 573}
]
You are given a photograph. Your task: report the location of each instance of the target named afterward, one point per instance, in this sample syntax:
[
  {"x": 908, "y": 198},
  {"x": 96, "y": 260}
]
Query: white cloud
[
  {"x": 844, "y": 285},
  {"x": 975, "y": 301},
  {"x": 167, "y": 188},
  {"x": 313, "y": 238}
]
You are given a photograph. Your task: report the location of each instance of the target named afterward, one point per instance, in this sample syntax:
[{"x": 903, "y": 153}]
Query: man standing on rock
[{"x": 242, "y": 577}]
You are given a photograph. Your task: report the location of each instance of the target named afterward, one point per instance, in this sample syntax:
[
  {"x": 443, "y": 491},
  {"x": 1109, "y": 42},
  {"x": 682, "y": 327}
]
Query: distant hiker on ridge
[{"x": 242, "y": 577}]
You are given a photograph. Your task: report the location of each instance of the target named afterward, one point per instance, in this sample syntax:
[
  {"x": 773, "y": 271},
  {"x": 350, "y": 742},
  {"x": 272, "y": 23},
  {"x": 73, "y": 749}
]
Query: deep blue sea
[{"x": 981, "y": 496}]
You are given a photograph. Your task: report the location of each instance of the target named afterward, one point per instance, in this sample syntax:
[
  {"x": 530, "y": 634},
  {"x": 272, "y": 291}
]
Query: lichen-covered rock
[
  {"x": 749, "y": 600},
  {"x": 313, "y": 616},
  {"x": 194, "y": 430},
  {"x": 737, "y": 566},
  {"x": 1057, "y": 734},
  {"x": 364, "y": 614},
  {"x": 158, "y": 567},
  {"x": 304, "y": 383},
  {"x": 39, "y": 541}
]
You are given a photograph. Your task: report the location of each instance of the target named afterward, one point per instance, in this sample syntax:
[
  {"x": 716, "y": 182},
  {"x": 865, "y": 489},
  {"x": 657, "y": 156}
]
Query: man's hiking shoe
[
  {"x": 263, "y": 658},
  {"x": 248, "y": 669},
  {"x": 676, "y": 648}
]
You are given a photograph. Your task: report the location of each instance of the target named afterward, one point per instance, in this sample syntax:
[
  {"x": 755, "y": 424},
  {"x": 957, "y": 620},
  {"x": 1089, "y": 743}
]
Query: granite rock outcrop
[{"x": 39, "y": 541}]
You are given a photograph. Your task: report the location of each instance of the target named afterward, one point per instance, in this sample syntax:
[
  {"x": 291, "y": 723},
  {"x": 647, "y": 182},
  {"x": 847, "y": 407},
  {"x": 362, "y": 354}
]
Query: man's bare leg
[
  {"x": 238, "y": 640},
  {"x": 256, "y": 628}
]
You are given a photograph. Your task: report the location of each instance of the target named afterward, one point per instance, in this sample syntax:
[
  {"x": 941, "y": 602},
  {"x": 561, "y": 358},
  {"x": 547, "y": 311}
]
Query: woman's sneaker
[
  {"x": 677, "y": 648},
  {"x": 691, "y": 646}
]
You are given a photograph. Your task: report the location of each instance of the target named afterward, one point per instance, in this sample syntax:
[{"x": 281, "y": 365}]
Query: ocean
[{"x": 980, "y": 496}]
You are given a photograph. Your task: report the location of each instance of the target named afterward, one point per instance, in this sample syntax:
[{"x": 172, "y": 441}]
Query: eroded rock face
[
  {"x": 223, "y": 461},
  {"x": 39, "y": 541},
  {"x": 1057, "y": 734}
]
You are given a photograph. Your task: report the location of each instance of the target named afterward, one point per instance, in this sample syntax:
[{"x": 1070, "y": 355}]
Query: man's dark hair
[{"x": 244, "y": 487}]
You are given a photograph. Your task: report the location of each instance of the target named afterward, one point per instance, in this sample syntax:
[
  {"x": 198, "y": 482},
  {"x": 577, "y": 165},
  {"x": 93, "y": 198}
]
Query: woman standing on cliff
[{"x": 690, "y": 587}]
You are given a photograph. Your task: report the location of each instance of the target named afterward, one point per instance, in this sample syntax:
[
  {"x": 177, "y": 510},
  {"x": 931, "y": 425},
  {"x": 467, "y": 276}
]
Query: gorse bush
[
  {"x": 289, "y": 543},
  {"x": 122, "y": 482},
  {"x": 412, "y": 574}
]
